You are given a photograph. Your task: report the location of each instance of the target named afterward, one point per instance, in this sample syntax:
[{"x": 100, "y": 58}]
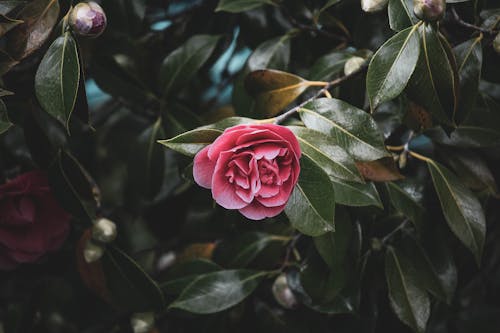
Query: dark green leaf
[
  {"x": 462, "y": 210},
  {"x": 330, "y": 157},
  {"x": 182, "y": 274},
  {"x": 7, "y": 24},
  {"x": 392, "y": 66},
  {"x": 311, "y": 207},
  {"x": 408, "y": 300},
  {"x": 349, "y": 127},
  {"x": 330, "y": 65},
  {"x": 180, "y": 66},
  {"x": 130, "y": 286},
  {"x": 432, "y": 84},
  {"x": 356, "y": 194},
  {"x": 328, "y": 4},
  {"x": 467, "y": 136},
  {"x": 57, "y": 77},
  {"x": 218, "y": 291},
  {"x": 7, "y": 6},
  {"x": 401, "y": 14},
  {"x": 39, "y": 17},
  {"x": 5, "y": 123},
  {"x": 469, "y": 60},
  {"x": 405, "y": 199},
  {"x": 238, "y": 6},
  {"x": 273, "y": 90}
]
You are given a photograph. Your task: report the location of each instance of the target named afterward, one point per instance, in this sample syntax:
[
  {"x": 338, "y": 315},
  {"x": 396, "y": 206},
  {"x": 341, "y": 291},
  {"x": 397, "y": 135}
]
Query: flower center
[{"x": 268, "y": 171}]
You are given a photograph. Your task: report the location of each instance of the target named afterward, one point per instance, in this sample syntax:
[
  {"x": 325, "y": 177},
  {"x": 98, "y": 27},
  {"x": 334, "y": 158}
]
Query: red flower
[
  {"x": 252, "y": 168},
  {"x": 31, "y": 221}
]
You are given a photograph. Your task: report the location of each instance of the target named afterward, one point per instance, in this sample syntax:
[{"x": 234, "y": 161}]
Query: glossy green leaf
[
  {"x": 130, "y": 286},
  {"x": 239, "y": 251},
  {"x": 392, "y": 66},
  {"x": 181, "y": 275},
  {"x": 5, "y": 123},
  {"x": 349, "y": 127},
  {"x": 432, "y": 84},
  {"x": 408, "y": 299},
  {"x": 467, "y": 136},
  {"x": 401, "y": 14},
  {"x": 329, "y": 65},
  {"x": 461, "y": 208},
  {"x": 57, "y": 77},
  {"x": 39, "y": 17},
  {"x": 218, "y": 291},
  {"x": 405, "y": 199},
  {"x": 330, "y": 157},
  {"x": 356, "y": 194},
  {"x": 469, "y": 60},
  {"x": 273, "y": 90},
  {"x": 311, "y": 207},
  {"x": 238, "y": 6},
  {"x": 180, "y": 66}
]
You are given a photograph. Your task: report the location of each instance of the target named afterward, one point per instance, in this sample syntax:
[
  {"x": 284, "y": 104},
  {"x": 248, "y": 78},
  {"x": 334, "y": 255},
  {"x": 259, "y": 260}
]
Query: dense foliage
[{"x": 391, "y": 225}]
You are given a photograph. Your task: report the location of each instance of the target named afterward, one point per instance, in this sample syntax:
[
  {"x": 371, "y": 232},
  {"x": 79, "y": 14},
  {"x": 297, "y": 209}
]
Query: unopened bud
[
  {"x": 104, "y": 230},
  {"x": 496, "y": 43},
  {"x": 283, "y": 294},
  {"x": 88, "y": 19},
  {"x": 92, "y": 252},
  {"x": 353, "y": 64},
  {"x": 142, "y": 322},
  {"x": 429, "y": 10},
  {"x": 371, "y": 6}
]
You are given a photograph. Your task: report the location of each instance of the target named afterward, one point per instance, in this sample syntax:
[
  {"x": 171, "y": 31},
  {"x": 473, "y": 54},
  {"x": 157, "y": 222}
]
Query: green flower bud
[
  {"x": 92, "y": 252},
  {"x": 429, "y": 10},
  {"x": 496, "y": 43},
  {"x": 142, "y": 322},
  {"x": 353, "y": 64},
  {"x": 283, "y": 294},
  {"x": 371, "y": 6},
  {"x": 87, "y": 19},
  {"x": 104, "y": 231}
]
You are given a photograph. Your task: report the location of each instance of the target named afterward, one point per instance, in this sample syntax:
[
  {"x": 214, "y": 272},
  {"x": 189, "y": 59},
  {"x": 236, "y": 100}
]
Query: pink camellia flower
[
  {"x": 252, "y": 168},
  {"x": 31, "y": 221}
]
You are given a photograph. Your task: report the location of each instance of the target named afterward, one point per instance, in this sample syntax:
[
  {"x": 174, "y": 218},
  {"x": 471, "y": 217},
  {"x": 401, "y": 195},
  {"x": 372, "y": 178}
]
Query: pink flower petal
[
  {"x": 286, "y": 134},
  {"x": 203, "y": 168},
  {"x": 223, "y": 192},
  {"x": 255, "y": 211}
]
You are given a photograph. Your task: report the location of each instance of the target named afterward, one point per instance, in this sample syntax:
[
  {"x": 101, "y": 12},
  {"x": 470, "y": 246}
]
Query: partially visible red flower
[
  {"x": 252, "y": 168},
  {"x": 31, "y": 221}
]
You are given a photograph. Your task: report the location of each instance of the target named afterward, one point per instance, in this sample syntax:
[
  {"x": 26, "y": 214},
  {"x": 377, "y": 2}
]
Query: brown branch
[{"x": 458, "y": 20}]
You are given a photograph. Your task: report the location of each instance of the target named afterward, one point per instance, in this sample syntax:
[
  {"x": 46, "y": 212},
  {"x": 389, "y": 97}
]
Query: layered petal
[{"x": 203, "y": 168}]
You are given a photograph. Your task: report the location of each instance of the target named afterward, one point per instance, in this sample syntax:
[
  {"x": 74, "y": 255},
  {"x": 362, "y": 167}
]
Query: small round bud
[
  {"x": 496, "y": 43},
  {"x": 87, "y": 19},
  {"x": 429, "y": 10},
  {"x": 353, "y": 64},
  {"x": 104, "y": 230},
  {"x": 92, "y": 252},
  {"x": 142, "y": 322},
  {"x": 283, "y": 294},
  {"x": 371, "y": 6}
]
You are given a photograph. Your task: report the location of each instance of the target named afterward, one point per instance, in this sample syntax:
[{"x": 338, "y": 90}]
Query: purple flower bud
[
  {"x": 429, "y": 10},
  {"x": 87, "y": 19}
]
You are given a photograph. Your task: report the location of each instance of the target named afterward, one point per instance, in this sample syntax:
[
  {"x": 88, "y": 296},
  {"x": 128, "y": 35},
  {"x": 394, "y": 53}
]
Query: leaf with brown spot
[{"x": 381, "y": 170}]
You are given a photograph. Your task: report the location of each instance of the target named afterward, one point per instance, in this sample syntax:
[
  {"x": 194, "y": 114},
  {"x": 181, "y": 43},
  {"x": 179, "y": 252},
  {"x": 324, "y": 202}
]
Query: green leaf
[
  {"x": 218, "y": 291},
  {"x": 392, "y": 66},
  {"x": 329, "y": 65},
  {"x": 462, "y": 210},
  {"x": 356, "y": 194},
  {"x": 239, "y": 251},
  {"x": 130, "y": 286},
  {"x": 349, "y": 127},
  {"x": 191, "y": 142},
  {"x": 405, "y": 199},
  {"x": 238, "y": 6},
  {"x": 57, "y": 77},
  {"x": 466, "y": 136},
  {"x": 311, "y": 207},
  {"x": 181, "y": 275},
  {"x": 432, "y": 84},
  {"x": 328, "y": 4},
  {"x": 5, "y": 123},
  {"x": 273, "y": 90},
  {"x": 39, "y": 17},
  {"x": 469, "y": 59},
  {"x": 7, "y": 24},
  {"x": 408, "y": 300},
  {"x": 330, "y": 157},
  {"x": 401, "y": 14},
  {"x": 180, "y": 66}
]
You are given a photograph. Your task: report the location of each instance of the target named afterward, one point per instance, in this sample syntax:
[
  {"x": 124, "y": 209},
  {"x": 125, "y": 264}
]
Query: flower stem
[{"x": 457, "y": 19}]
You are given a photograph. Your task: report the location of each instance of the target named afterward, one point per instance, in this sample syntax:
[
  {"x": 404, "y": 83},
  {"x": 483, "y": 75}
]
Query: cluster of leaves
[{"x": 386, "y": 228}]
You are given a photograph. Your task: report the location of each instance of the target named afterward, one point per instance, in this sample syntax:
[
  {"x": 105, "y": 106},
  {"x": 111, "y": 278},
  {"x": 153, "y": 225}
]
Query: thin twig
[
  {"x": 279, "y": 119},
  {"x": 457, "y": 19}
]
